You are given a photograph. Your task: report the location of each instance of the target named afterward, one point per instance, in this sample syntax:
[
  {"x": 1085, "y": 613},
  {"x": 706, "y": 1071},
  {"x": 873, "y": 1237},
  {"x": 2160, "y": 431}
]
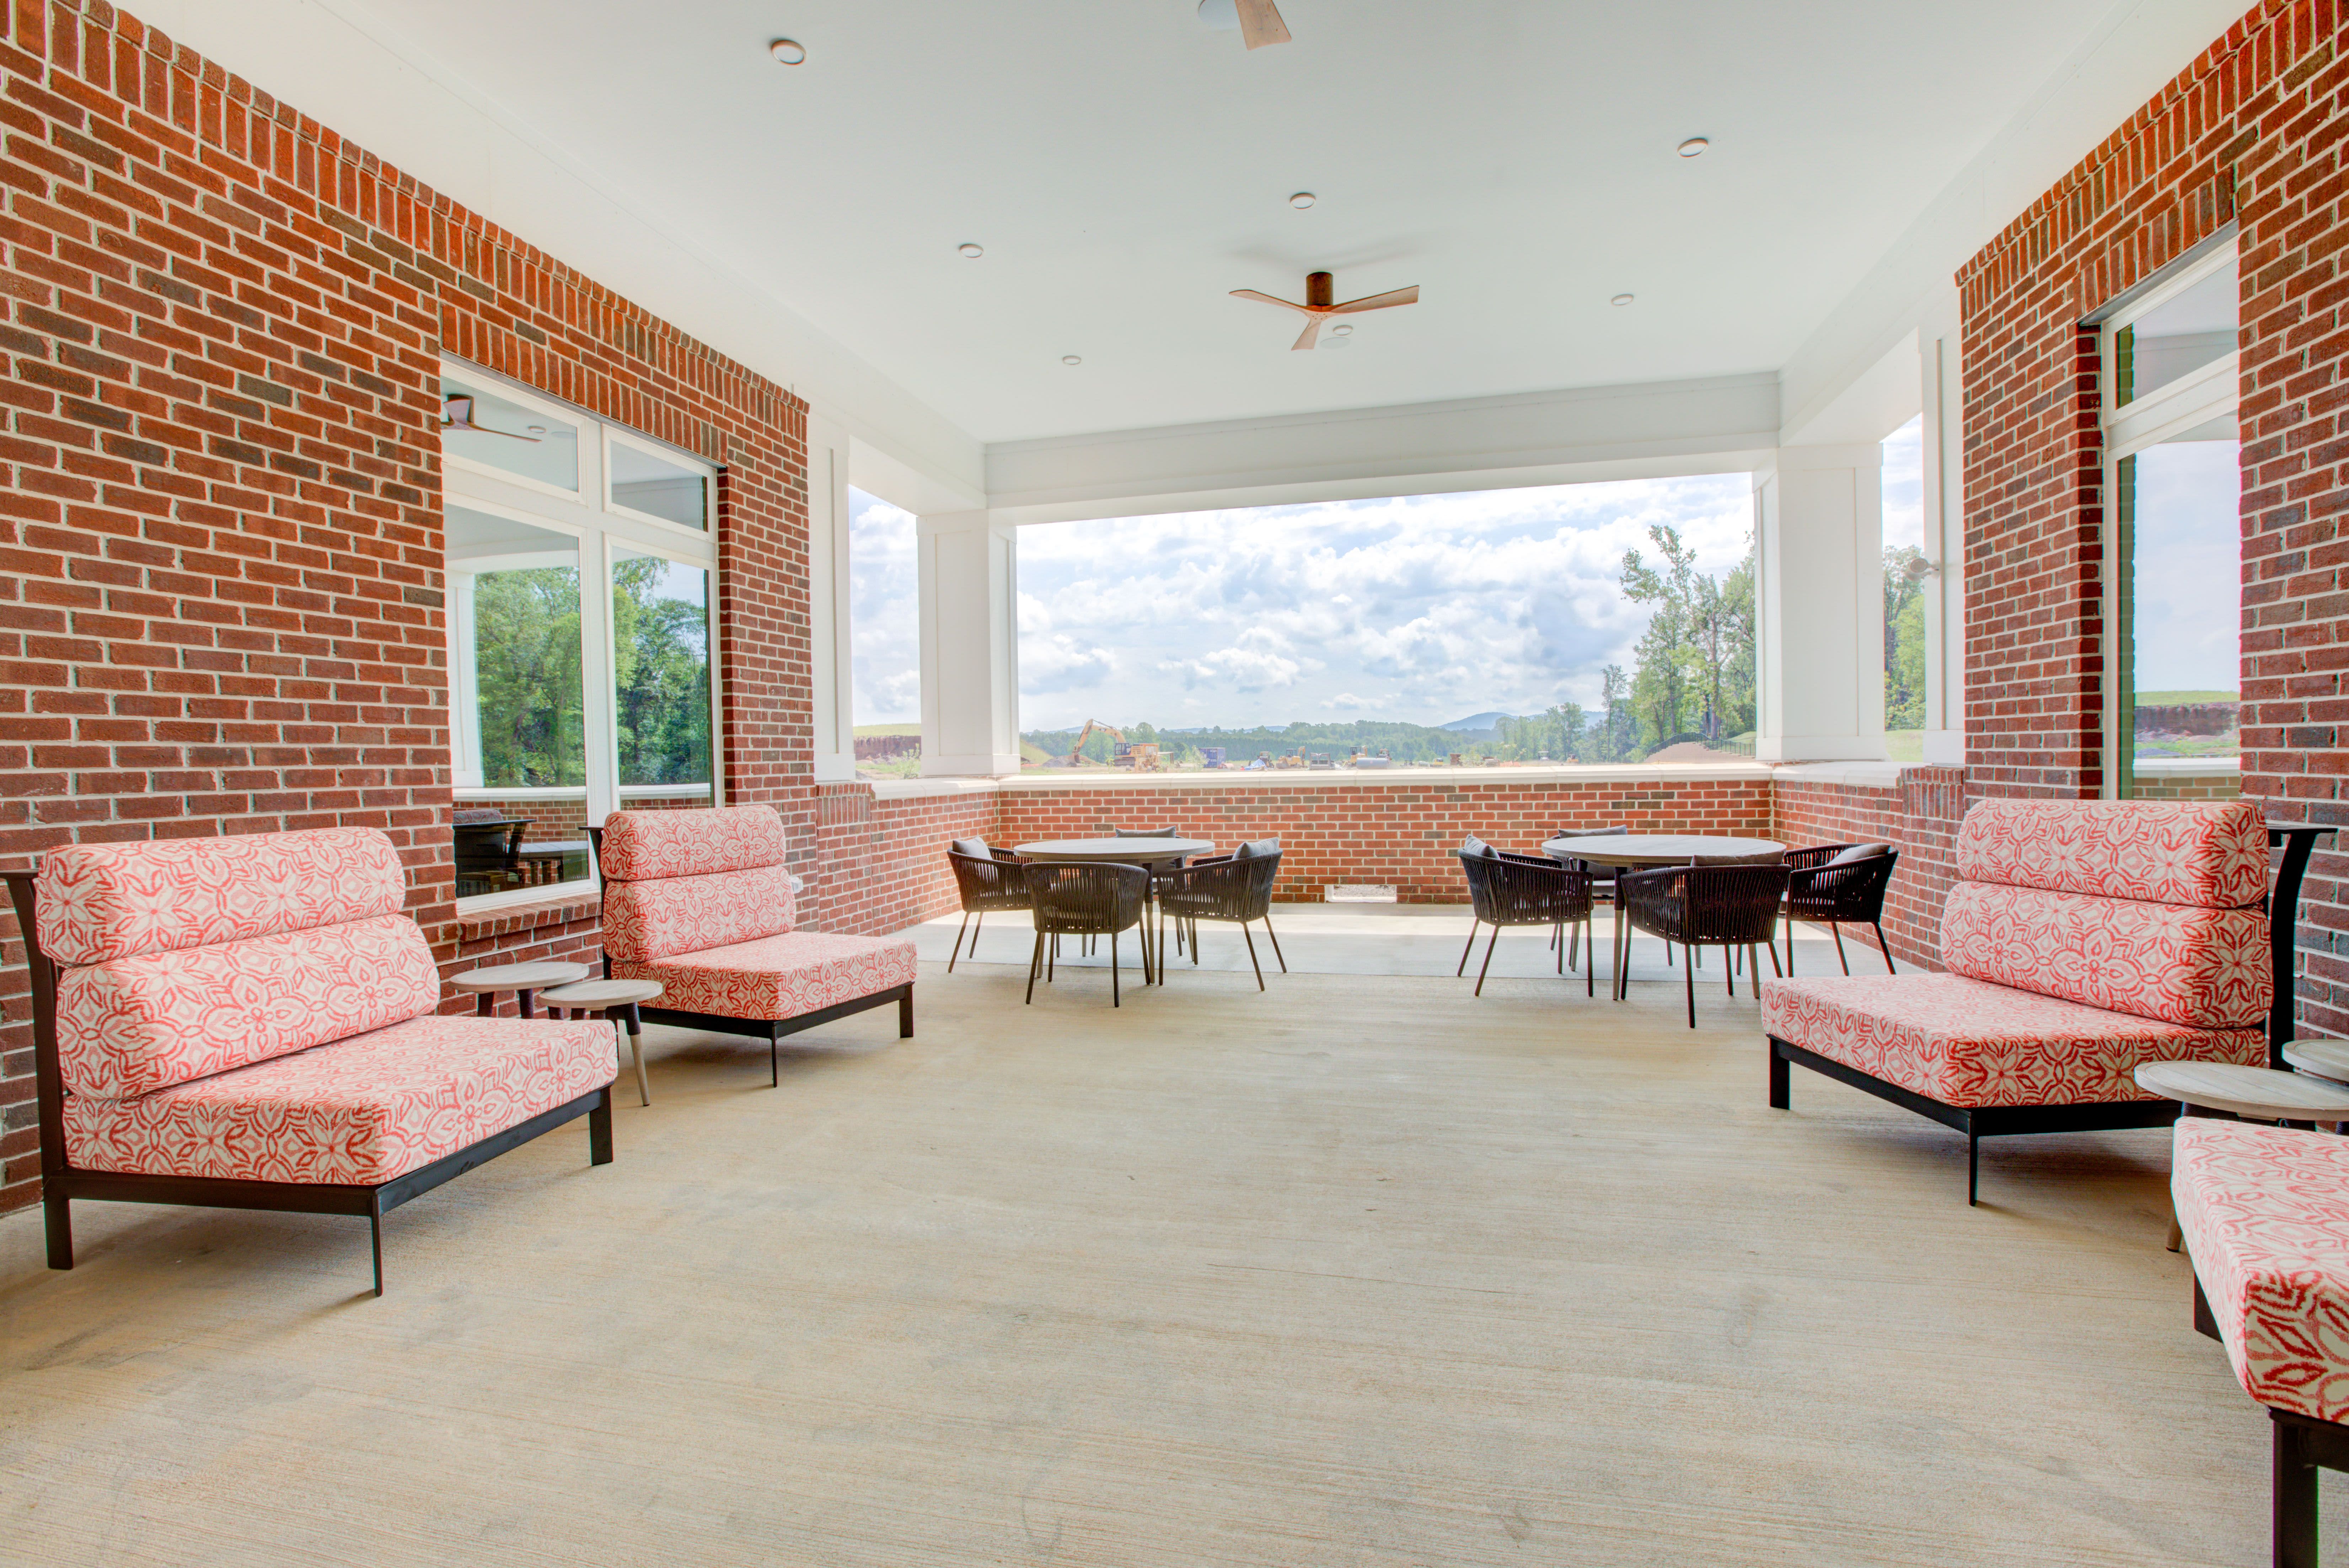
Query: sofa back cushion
[
  {"x": 2209, "y": 854},
  {"x": 2180, "y": 964},
  {"x": 131, "y": 1025},
  {"x": 94, "y": 902},
  {"x": 639, "y": 846},
  {"x": 644, "y": 920}
]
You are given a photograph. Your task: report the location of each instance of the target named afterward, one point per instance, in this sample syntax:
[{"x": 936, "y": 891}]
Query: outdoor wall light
[
  {"x": 1694, "y": 147},
  {"x": 970, "y": 252},
  {"x": 788, "y": 51},
  {"x": 1301, "y": 201}
]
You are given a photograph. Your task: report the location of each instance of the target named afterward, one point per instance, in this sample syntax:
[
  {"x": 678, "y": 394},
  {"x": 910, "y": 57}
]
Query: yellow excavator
[{"x": 1143, "y": 757}]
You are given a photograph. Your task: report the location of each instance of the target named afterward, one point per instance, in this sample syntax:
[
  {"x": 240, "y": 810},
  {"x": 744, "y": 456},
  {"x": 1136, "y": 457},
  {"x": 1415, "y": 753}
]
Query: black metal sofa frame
[{"x": 61, "y": 1182}]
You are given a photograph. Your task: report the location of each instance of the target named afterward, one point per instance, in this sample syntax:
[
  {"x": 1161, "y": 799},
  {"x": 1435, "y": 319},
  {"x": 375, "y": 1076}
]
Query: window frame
[
  {"x": 2210, "y": 391},
  {"x": 586, "y": 516}
]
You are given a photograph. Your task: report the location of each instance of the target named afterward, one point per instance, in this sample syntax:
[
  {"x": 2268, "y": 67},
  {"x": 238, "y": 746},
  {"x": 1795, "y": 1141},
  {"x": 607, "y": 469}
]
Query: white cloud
[{"x": 885, "y": 597}]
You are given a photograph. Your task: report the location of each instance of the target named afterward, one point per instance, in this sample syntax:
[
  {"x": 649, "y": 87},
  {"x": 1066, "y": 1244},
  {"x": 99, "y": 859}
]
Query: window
[
  {"x": 2173, "y": 499},
  {"x": 884, "y": 596},
  {"x": 580, "y": 576},
  {"x": 1904, "y": 564}
]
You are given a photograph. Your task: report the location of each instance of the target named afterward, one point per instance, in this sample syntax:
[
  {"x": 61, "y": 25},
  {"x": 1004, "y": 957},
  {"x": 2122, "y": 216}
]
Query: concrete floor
[{"x": 1352, "y": 1271}]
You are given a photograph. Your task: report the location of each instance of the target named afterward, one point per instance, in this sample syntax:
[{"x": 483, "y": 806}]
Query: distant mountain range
[{"x": 1477, "y": 721}]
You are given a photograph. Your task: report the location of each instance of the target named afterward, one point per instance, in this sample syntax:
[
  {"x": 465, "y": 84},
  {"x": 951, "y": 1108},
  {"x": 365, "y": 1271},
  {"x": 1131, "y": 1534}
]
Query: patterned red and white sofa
[
  {"x": 701, "y": 901},
  {"x": 248, "y": 1023},
  {"x": 2084, "y": 936},
  {"x": 2264, "y": 1212}
]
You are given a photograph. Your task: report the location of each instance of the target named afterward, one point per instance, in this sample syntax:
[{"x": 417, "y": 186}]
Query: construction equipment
[
  {"x": 1142, "y": 756},
  {"x": 1077, "y": 752}
]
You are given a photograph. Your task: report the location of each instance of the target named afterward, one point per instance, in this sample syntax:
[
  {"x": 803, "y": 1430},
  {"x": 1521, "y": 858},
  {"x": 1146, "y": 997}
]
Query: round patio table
[
  {"x": 1640, "y": 851},
  {"x": 1143, "y": 852}
]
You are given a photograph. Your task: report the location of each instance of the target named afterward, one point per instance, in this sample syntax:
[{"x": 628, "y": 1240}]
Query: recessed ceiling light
[
  {"x": 1693, "y": 147},
  {"x": 972, "y": 252},
  {"x": 1301, "y": 201},
  {"x": 1223, "y": 15},
  {"x": 536, "y": 429},
  {"x": 788, "y": 51},
  {"x": 1070, "y": 359},
  {"x": 1341, "y": 330},
  {"x": 1621, "y": 299}
]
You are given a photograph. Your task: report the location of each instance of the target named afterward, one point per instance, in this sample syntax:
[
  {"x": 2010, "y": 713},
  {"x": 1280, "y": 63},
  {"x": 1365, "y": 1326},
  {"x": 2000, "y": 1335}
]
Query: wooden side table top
[
  {"x": 2262, "y": 1093},
  {"x": 2325, "y": 1058},
  {"x": 601, "y": 994},
  {"x": 519, "y": 977}
]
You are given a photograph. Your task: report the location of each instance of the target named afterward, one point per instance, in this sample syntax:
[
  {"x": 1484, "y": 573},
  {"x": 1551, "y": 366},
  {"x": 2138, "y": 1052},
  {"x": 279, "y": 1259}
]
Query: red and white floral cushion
[
  {"x": 134, "y": 1025},
  {"x": 2265, "y": 1213},
  {"x": 648, "y": 920},
  {"x": 357, "y": 1112},
  {"x": 93, "y": 902},
  {"x": 642, "y": 845},
  {"x": 1971, "y": 1043},
  {"x": 2210, "y": 853},
  {"x": 778, "y": 977},
  {"x": 2210, "y": 968}
]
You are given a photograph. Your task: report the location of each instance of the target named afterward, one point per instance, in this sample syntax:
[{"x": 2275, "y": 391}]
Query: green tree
[
  {"x": 1904, "y": 639},
  {"x": 526, "y": 669},
  {"x": 1692, "y": 671},
  {"x": 661, "y": 646}
]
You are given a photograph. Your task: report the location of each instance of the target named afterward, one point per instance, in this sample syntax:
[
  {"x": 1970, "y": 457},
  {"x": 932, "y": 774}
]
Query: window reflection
[
  {"x": 656, "y": 487},
  {"x": 660, "y": 641},
  {"x": 497, "y": 432}
]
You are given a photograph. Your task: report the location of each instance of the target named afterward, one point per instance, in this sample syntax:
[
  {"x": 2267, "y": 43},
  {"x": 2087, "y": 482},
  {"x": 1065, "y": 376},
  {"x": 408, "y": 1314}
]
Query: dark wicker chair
[
  {"x": 1226, "y": 887},
  {"x": 1157, "y": 873},
  {"x": 1505, "y": 889},
  {"x": 1709, "y": 906},
  {"x": 1826, "y": 889},
  {"x": 489, "y": 854},
  {"x": 989, "y": 883},
  {"x": 1092, "y": 898}
]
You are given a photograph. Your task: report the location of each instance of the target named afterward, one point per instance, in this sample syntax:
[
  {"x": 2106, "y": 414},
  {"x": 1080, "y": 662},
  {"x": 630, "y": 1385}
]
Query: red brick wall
[
  {"x": 1403, "y": 834},
  {"x": 221, "y": 549},
  {"x": 2249, "y": 132},
  {"x": 884, "y": 866},
  {"x": 1919, "y": 817}
]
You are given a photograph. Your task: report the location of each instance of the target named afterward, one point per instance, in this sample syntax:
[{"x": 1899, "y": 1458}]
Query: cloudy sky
[
  {"x": 2189, "y": 567},
  {"x": 1425, "y": 608}
]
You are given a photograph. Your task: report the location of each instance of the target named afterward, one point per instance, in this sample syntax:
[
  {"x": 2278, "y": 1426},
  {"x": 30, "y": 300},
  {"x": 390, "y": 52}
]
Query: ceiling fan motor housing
[{"x": 1320, "y": 289}]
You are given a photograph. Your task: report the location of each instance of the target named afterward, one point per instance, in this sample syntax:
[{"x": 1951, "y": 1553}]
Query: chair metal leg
[
  {"x": 1487, "y": 965},
  {"x": 958, "y": 936},
  {"x": 1688, "y": 983},
  {"x": 2295, "y": 1485},
  {"x": 1557, "y": 941},
  {"x": 57, "y": 1220},
  {"x": 1574, "y": 953},
  {"x": 1467, "y": 950},
  {"x": 1773, "y": 964},
  {"x": 632, "y": 1020},
  {"x": 1114, "y": 999},
  {"x": 1729, "y": 970},
  {"x": 1590, "y": 957},
  {"x": 1883, "y": 945},
  {"x": 1252, "y": 962},
  {"x": 1838, "y": 928},
  {"x": 1275, "y": 942},
  {"x": 1035, "y": 961}
]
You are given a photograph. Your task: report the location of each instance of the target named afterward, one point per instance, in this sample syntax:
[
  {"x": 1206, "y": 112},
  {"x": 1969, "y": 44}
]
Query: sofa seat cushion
[
  {"x": 2265, "y": 1214},
  {"x": 777, "y": 977},
  {"x": 1969, "y": 1043},
  {"x": 354, "y": 1113},
  {"x": 2207, "y": 968}
]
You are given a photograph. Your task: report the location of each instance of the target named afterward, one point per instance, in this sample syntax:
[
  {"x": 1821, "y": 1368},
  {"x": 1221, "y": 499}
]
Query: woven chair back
[
  {"x": 1853, "y": 891},
  {"x": 1521, "y": 891},
  {"x": 1096, "y": 898},
  {"x": 988, "y": 884},
  {"x": 1706, "y": 905}
]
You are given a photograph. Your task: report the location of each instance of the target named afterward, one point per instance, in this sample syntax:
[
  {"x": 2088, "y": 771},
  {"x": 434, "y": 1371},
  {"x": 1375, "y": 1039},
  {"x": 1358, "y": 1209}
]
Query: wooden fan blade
[
  {"x": 1251, "y": 293},
  {"x": 1312, "y": 332},
  {"x": 1260, "y": 24},
  {"x": 1378, "y": 302}
]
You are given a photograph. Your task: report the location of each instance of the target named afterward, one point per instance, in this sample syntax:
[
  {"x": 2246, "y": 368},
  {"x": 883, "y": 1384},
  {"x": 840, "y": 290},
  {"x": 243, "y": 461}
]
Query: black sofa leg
[
  {"x": 2204, "y": 1322},
  {"x": 905, "y": 1014},
  {"x": 1781, "y": 1080},
  {"x": 374, "y": 1235},
  {"x": 1973, "y": 1165},
  {"x": 56, "y": 1215},
  {"x": 2296, "y": 1496},
  {"x": 599, "y": 1129}
]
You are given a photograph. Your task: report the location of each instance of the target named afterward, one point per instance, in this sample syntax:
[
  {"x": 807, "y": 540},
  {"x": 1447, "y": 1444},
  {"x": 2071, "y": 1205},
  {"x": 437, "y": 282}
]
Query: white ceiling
[{"x": 1125, "y": 166}]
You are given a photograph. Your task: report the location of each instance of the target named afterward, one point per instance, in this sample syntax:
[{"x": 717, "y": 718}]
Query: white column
[
  {"x": 828, "y": 599},
  {"x": 1821, "y": 602},
  {"x": 971, "y": 645},
  {"x": 1945, "y": 544}
]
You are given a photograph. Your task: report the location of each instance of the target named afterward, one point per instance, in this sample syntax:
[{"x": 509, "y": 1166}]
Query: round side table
[
  {"x": 617, "y": 1000},
  {"x": 2323, "y": 1057},
  {"x": 2255, "y": 1094},
  {"x": 520, "y": 978}
]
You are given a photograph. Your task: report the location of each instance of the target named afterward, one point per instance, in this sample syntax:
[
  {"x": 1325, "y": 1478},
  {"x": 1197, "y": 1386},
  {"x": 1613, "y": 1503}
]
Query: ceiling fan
[
  {"x": 457, "y": 414},
  {"x": 1258, "y": 22},
  {"x": 1317, "y": 308}
]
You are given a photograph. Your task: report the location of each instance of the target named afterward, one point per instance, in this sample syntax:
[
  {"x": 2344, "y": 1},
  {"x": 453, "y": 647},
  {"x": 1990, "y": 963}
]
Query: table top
[
  {"x": 519, "y": 977},
  {"x": 1659, "y": 849},
  {"x": 2325, "y": 1058},
  {"x": 1131, "y": 851},
  {"x": 601, "y": 992},
  {"x": 2260, "y": 1092}
]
